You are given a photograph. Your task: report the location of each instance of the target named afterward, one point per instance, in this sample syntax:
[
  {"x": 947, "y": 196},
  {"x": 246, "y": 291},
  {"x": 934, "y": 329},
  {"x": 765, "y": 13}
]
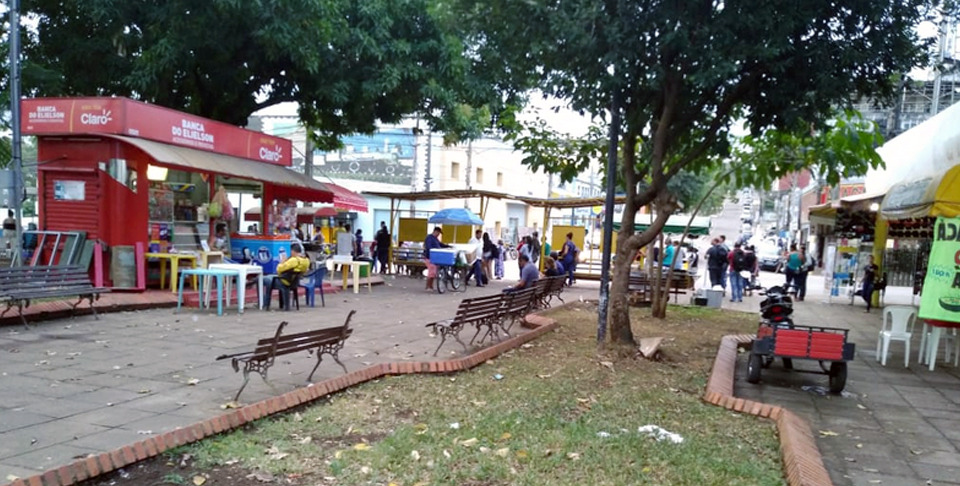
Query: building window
[
  {"x": 455, "y": 170},
  {"x": 499, "y": 179},
  {"x": 479, "y": 175}
]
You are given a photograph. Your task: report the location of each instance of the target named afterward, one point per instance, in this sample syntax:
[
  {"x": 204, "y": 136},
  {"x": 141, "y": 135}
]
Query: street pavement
[
  {"x": 892, "y": 425},
  {"x": 72, "y": 387}
]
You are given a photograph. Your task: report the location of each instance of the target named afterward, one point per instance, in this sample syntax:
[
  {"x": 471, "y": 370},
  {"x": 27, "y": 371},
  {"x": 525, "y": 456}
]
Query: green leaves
[{"x": 844, "y": 146}]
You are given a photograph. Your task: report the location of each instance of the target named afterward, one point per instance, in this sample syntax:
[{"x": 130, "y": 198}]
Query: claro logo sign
[
  {"x": 94, "y": 119},
  {"x": 271, "y": 155}
]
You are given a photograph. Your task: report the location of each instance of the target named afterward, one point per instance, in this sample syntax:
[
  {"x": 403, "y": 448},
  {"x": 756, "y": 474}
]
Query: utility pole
[
  {"x": 608, "y": 217},
  {"x": 427, "y": 179},
  {"x": 15, "y": 125},
  {"x": 308, "y": 155},
  {"x": 469, "y": 162}
]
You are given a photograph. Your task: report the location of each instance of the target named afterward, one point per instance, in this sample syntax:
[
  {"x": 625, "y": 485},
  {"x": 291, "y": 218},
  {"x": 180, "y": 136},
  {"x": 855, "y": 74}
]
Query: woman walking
[{"x": 498, "y": 261}]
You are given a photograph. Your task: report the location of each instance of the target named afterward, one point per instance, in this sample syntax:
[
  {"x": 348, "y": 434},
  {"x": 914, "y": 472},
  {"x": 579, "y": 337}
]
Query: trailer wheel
[
  {"x": 838, "y": 376},
  {"x": 787, "y": 363},
  {"x": 754, "y": 366}
]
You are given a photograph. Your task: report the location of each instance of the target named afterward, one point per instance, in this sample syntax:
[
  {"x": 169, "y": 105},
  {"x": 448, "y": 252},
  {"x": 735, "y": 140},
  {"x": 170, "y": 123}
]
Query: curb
[
  {"x": 95, "y": 465},
  {"x": 802, "y": 462}
]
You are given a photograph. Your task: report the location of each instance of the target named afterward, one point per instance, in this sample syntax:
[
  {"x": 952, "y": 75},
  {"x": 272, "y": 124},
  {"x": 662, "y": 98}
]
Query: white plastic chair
[
  {"x": 898, "y": 321},
  {"x": 950, "y": 337}
]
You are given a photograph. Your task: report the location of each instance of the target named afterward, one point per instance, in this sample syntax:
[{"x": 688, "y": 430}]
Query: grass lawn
[{"x": 557, "y": 415}]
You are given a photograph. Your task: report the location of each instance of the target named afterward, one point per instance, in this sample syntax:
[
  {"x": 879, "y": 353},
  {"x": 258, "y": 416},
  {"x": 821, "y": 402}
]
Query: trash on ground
[{"x": 660, "y": 433}]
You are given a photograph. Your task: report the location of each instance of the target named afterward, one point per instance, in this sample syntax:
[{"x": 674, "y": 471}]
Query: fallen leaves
[
  {"x": 199, "y": 480},
  {"x": 274, "y": 454},
  {"x": 828, "y": 433}
]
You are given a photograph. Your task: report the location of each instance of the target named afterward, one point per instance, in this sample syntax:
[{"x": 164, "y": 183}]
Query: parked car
[{"x": 768, "y": 257}]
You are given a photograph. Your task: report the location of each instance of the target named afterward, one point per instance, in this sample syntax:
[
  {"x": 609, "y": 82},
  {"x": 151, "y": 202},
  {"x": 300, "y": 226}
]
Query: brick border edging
[
  {"x": 95, "y": 465},
  {"x": 802, "y": 462}
]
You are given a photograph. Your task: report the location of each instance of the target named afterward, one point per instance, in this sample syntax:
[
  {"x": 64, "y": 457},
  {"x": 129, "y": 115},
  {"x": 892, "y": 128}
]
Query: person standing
[
  {"x": 498, "y": 263},
  {"x": 476, "y": 266},
  {"x": 346, "y": 243},
  {"x": 9, "y": 230},
  {"x": 535, "y": 247},
  {"x": 668, "y": 253},
  {"x": 726, "y": 251},
  {"x": 751, "y": 263},
  {"x": 793, "y": 264},
  {"x": 716, "y": 262},
  {"x": 490, "y": 254},
  {"x": 807, "y": 266},
  {"x": 358, "y": 250},
  {"x": 869, "y": 277},
  {"x": 568, "y": 256},
  {"x": 738, "y": 263},
  {"x": 432, "y": 241},
  {"x": 384, "y": 241}
]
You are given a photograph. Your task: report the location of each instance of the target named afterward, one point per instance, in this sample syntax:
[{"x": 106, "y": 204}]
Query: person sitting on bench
[
  {"x": 286, "y": 270},
  {"x": 528, "y": 275}
]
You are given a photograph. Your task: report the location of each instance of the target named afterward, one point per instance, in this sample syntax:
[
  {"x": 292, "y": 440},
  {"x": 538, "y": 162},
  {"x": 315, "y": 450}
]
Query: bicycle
[{"x": 450, "y": 277}]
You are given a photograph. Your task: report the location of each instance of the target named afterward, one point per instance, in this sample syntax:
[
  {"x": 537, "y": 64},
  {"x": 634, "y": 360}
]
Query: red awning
[
  {"x": 305, "y": 215},
  {"x": 346, "y": 199},
  {"x": 326, "y": 212}
]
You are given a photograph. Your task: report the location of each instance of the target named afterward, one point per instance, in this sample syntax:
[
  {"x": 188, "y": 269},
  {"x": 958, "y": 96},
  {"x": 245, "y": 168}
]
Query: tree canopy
[
  {"x": 349, "y": 65},
  {"x": 685, "y": 72}
]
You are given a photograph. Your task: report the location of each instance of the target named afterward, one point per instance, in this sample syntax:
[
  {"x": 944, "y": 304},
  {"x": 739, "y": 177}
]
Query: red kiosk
[{"x": 138, "y": 178}]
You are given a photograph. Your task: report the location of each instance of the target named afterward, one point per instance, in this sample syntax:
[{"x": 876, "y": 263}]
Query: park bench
[
  {"x": 548, "y": 288},
  {"x": 321, "y": 341},
  {"x": 409, "y": 261},
  {"x": 21, "y": 285},
  {"x": 516, "y": 305},
  {"x": 480, "y": 312},
  {"x": 641, "y": 286}
]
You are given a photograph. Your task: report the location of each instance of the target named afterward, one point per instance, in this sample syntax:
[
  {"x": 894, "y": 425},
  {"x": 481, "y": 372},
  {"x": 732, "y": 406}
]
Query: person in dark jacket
[
  {"x": 384, "y": 242},
  {"x": 716, "y": 262}
]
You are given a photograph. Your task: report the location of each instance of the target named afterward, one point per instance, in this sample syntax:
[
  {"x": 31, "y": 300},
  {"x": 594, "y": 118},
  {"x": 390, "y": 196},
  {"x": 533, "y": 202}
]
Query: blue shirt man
[
  {"x": 528, "y": 275},
  {"x": 668, "y": 254}
]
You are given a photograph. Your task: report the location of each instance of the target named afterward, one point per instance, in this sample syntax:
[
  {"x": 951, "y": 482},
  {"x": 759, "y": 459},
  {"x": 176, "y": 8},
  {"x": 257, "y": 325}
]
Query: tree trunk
[{"x": 661, "y": 294}]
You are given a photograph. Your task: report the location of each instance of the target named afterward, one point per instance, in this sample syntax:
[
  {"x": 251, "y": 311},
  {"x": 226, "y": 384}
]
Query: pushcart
[{"x": 827, "y": 345}]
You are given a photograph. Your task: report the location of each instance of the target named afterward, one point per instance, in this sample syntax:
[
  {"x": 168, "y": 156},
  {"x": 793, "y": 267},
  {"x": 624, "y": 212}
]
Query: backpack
[
  {"x": 751, "y": 261},
  {"x": 739, "y": 261}
]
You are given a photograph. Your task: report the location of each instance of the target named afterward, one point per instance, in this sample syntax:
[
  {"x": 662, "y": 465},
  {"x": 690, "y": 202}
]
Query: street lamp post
[{"x": 17, "y": 158}]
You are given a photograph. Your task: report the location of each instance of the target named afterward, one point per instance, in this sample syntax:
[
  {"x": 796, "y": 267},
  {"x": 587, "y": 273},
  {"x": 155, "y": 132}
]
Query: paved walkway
[
  {"x": 71, "y": 387},
  {"x": 893, "y": 425}
]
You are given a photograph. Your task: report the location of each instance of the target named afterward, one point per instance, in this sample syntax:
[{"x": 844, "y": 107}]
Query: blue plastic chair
[{"x": 312, "y": 281}]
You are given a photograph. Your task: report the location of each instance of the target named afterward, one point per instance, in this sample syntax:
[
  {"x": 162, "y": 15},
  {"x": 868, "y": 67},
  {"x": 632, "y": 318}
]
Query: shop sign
[
  {"x": 69, "y": 190},
  {"x": 940, "y": 299},
  {"x": 121, "y": 116}
]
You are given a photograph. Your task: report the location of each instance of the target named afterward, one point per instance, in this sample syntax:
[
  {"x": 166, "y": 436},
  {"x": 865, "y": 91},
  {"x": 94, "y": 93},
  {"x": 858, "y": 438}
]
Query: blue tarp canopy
[{"x": 456, "y": 216}]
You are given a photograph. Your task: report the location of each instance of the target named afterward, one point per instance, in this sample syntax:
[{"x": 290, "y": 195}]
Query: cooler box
[
  {"x": 714, "y": 298},
  {"x": 443, "y": 256},
  {"x": 264, "y": 251}
]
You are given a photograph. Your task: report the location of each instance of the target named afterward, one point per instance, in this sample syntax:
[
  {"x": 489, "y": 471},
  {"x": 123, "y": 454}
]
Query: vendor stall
[{"x": 139, "y": 178}]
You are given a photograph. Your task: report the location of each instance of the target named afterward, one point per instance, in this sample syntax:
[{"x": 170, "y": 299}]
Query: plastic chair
[
  {"x": 951, "y": 339},
  {"x": 898, "y": 321},
  {"x": 285, "y": 291},
  {"x": 312, "y": 281}
]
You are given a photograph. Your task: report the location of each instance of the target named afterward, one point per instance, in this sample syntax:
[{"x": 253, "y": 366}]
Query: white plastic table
[
  {"x": 355, "y": 270},
  {"x": 242, "y": 272}
]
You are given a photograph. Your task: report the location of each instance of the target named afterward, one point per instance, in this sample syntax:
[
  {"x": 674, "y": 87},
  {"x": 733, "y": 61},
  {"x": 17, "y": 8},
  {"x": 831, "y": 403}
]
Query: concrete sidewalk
[
  {"x": 72, "y": 387},
  {"x": 893, "y": 425}
]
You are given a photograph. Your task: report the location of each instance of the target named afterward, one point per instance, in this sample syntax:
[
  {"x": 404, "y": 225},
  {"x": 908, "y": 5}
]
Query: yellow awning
[{"x": 929, "y": 196}]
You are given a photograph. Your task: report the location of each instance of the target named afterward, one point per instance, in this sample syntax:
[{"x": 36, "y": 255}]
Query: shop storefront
[{"x": 140, "y": 179}]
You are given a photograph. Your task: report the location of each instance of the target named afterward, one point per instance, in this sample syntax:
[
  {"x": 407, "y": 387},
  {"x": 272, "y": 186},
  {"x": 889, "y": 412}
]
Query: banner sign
[
  {"x": 122, "y": 116},
  {"x": 940, "y": 299}
]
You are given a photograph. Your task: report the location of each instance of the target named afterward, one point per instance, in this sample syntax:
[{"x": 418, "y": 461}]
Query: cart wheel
[
  {"x": 838, "y": 376},
  {"x": 787, "y": 363},
  {"x": 441, "y": 280},
  {"x": 455, "y": 279},
  {"x": 767, "y": 361},
  {"x": 754, "y": 365}
]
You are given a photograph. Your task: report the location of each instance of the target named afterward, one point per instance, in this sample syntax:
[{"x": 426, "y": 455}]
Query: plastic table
[
  {"x": 174, "y": 259},
  {"x": 242, "y": 271},
  {"x": 205, "y": 274},
  {"x": 355, "y": 270}
]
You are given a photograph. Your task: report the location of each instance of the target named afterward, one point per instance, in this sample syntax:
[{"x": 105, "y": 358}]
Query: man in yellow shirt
[{"x": 295, "y": 264}]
